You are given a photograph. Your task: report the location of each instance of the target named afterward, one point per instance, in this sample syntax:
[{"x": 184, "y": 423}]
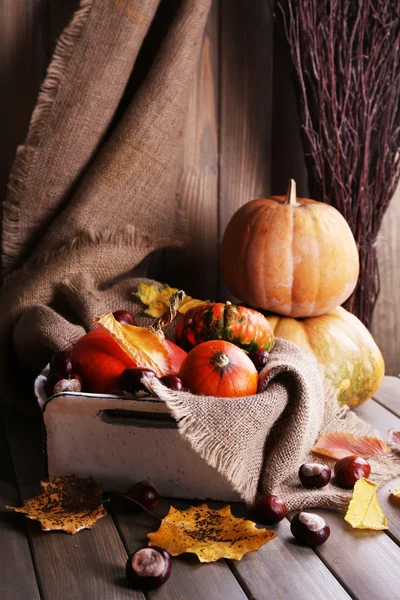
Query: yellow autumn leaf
[
  {"x": 66, "y": 503},
  {"x": 395, "y": 492},
  {"x": 157, "y": 299},
  {"x": 364, "y": 510},
  {"x": 141, "y": 344},
  {"x": 210, "y": 534}
]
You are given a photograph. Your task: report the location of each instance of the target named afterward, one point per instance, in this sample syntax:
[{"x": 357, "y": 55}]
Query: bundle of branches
[{"x": 346, "y": 58}]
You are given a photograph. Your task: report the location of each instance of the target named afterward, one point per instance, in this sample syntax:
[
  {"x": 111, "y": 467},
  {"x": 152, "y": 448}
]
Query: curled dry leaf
[
  {"x": 394, "y": 439},
  {"x": 364, "y": 510},
  {"x": 157, "y": 299},
  {"x": 339, "y": 445},
  {"x": 66, "y": 503},
  {"x": 141, "y": 344},
  {"x": 210, "y": 534}
]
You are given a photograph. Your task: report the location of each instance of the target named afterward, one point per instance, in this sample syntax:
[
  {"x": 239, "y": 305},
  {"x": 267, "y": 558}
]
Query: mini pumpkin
[
  {"x": 219, "y": 368},
  {"x": 244, "y": 327},
  {"x": 292, "y": 256}
]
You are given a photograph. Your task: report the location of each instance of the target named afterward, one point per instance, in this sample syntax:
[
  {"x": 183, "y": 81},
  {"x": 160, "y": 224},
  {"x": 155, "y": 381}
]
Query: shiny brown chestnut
[
  {"x": 259, "y": 358},
  {"x": 145, "y": 493},
  {"x": 130, "y": 379},
  {"x": 269, "y": 509},
  {"x": 314, "y": 475},
  {"x": 148, "y": 568},
  {"x": 350, "y": 469},
  {"x": 173, "y": 382},
  {"x": 124, "y": 316},
  {"x": 309, "y": 529}
]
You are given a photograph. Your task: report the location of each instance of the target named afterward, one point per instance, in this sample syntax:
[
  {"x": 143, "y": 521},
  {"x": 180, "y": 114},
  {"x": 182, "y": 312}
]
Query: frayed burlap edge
[{"x": 26, "y": 153}]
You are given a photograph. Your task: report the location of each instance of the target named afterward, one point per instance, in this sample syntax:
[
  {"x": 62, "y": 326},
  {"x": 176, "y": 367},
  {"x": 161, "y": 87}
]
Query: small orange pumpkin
[
  {"x": 292, "y": 256},
  {"x": 219, "y": 368}
]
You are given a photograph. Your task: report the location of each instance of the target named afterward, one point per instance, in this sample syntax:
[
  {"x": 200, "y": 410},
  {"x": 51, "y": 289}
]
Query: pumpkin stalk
[
  {"x": 291, "y": 193},
  {"x": 221, "y": 361},
  {"x": 169, "y": 316}
]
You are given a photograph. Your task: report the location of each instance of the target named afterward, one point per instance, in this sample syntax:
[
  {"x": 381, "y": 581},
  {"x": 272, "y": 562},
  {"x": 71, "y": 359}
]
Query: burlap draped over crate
[{"x": 92, "y": 192}]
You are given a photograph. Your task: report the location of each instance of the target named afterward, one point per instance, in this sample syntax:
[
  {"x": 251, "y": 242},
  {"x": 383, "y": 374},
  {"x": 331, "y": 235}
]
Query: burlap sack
[{"x": 89, "y": 195}]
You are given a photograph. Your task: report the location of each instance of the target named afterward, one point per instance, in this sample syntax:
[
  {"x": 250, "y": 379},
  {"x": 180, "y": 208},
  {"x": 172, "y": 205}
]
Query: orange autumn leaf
[
  {"x": 66, "y": 503},
  {"x": 364, "y": 510},
  {"x": 339, "y": 445},
  {"x": 141, "y": 344},
  {"x": 394, "y": 439},
  {"x": 210, "y": 534}
]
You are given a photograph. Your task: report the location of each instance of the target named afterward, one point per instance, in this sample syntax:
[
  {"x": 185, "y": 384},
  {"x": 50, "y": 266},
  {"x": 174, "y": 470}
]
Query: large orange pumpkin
[
  {"x": 293, "y": 256},
  {"x": 343, "y": 346},
  {"x": 219, "y": 368}
]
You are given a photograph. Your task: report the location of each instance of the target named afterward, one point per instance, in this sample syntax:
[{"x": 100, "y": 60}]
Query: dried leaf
[
  {"x": 141, "y": 344},
  {"x": 339, "y": 445},
  {"x": 394, "y": 439},
  {"x": 364, "y": 510},
  {"x": 210, "y": 534},
  {"x": 395, "y": 492},
  {"x": 66, "y": 503},
  {"x": 157, "y": 299}
]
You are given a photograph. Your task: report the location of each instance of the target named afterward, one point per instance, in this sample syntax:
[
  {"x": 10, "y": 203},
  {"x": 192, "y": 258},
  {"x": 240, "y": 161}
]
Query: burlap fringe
[
  {"x": 203, "y": 442},
  {"x": 26, "y": 153},
  {"x": 129, "y": 236}
]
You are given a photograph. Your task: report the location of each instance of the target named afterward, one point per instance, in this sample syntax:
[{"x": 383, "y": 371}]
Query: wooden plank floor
[{"x": 56, "y": 566}]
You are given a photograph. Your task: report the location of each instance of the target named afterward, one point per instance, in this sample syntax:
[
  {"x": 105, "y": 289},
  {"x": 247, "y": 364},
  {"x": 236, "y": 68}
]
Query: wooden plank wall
[{"x": 241, "y": 140}]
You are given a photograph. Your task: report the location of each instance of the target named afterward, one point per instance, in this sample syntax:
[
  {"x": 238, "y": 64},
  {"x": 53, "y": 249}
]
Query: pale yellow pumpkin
[
  {"x": 345, "y": 348},
  {"x": 292, "y": 256}
]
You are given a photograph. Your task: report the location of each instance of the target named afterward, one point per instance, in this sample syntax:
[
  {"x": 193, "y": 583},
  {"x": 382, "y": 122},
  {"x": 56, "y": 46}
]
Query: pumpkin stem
[
  {"x": 169, "y": 316},
  {"x": 220, "y": 361},
  {"x": 291, "y": 193}
]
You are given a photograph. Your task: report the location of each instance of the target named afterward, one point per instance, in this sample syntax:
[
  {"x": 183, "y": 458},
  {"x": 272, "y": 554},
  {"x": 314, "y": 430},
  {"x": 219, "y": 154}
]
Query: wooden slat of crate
[
  {"x": 189, "y": 578},
  {"x": 17, "y": 573},
  {"x": 90, "y": 564}
]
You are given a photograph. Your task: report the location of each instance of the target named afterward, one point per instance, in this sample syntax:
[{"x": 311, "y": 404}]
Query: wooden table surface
[{"x": 90, "y": 565}]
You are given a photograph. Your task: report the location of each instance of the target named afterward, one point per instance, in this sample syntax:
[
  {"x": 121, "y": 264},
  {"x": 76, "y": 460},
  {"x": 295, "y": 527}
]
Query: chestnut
[
  {"x": 145, "y": 493},
  {"x": 130, "y": 379},
  {"x": 173, "y": 382},
  {"x": 73, "y": 384},
  {"x": 269, "y": 509},
  {"x": 124, "y": 316},
  {"x": 148, "y": 568},
  {"x": 314, "y": 475},
  {"x": 350, "y": 469},
  {"x": 259, "y": 358},
  {"x": 61, "y": 362},
  {"x": 309, "y": 529}
]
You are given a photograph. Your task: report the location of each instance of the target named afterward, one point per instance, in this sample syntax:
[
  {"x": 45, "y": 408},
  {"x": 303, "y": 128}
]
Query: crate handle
[{"x": 136, "y": 418}]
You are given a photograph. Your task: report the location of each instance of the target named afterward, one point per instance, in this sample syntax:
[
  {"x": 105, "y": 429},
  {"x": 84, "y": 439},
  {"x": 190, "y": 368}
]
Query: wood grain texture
[
  {"x": 388, "y": 394},
  {"x": 286, "y": 570},
  {"x": 245, "y": 107},
  {"x": 91, "y": 563},
  {"x": 386, "y": 321},
  {"x": 194, "y": 267},
  {"x": 17, "y": 573},
  {"x": 189, "y": 578},
  {"x": 23, "y": 60}
]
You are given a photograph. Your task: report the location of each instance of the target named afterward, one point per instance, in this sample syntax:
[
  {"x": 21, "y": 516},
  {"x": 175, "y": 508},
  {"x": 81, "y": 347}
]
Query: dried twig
[{"x": 346, "y": 57}]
